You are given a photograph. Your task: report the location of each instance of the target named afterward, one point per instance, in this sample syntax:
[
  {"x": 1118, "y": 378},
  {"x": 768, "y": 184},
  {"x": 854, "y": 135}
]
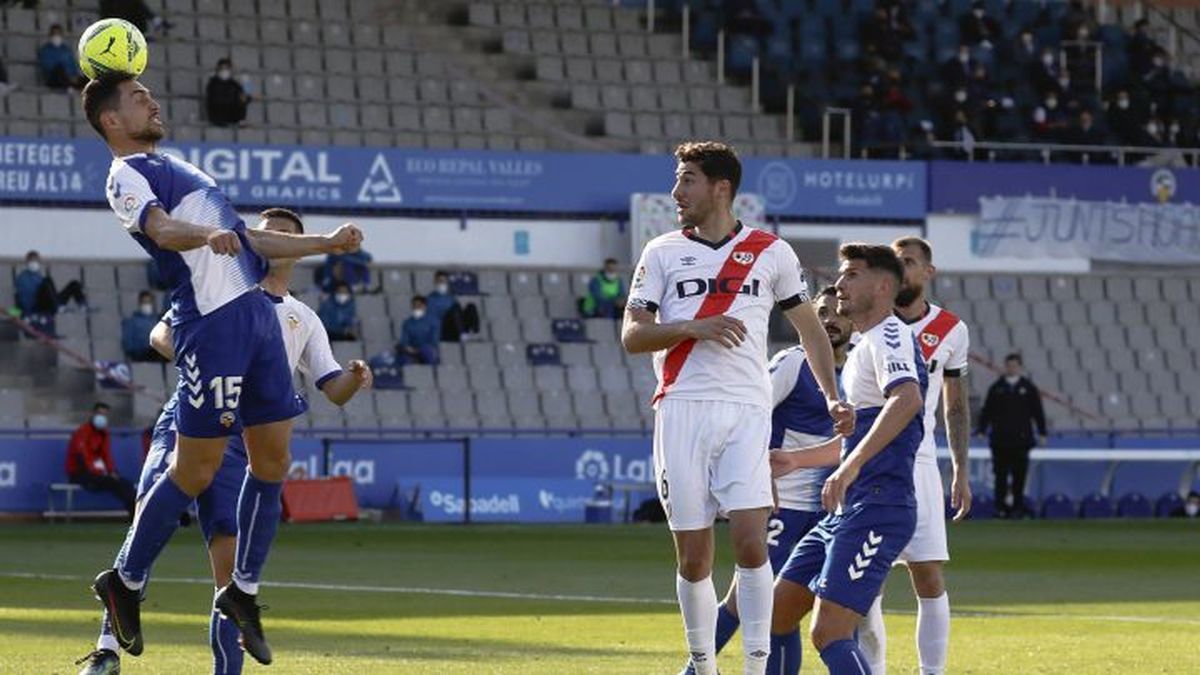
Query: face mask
[
  {"x": 1123, "y": 103},
  {"x": 56, "y": 40},
  {"x": 1152, "y": 129},
  {"x": 33, "y": 266},
  {"x": 442, "y": 288},
  {"x": 1191, "y": 509},
  {"x": 960, "y": 96},
  {"x": 1048, "y": 59},
  {"x": 610, "y": 275},
  {"x": 1052, "y": 103},
  {"x": 1027, "y": 40},
  {"x": 146, "y": 308},
  {"x": 100, "y": 421},
  {"x": 341, "y": 298},
  {"x": 1012, "y": 379},
  {"x": 979, "y": 14},
  {"x": 418, "y": 313},
  {"x": 1007, "y": 103},
  {"x": 964, "y": 57},
  {"x": 1158, "y": 63},
  {"x": 1174, "y": 128},
  {"x": 1039, "y": 115},
  {"x": 224, "y": 74}
]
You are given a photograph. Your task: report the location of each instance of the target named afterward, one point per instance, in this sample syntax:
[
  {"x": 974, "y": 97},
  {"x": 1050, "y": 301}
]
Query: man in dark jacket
[
  {"x": 90, "y": 461},
  {"x": 225, "y": 97},
  {"x": 1011, "y": 410}
]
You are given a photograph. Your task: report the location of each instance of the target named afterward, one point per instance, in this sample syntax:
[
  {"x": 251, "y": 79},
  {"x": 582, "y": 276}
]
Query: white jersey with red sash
[
  {"x": 683, "y": 277},
  {"x": 945, "y": 343}
]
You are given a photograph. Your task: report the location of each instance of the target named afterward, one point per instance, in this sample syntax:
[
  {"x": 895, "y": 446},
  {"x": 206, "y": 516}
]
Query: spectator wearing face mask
[
  {"x": 1190, "y": 508},
  {"x": 1125, "y": 119},
  {"x": 57, "y": 66},
  {"x": 90, "y": 462},
  {"x": 606, "y": 294},
  {"x": 135, "y": 330},
  {"x": 1050, "y": 121},
  {"x": 1045, "y": 72},
  {"x": 419, "y": 336},
  {"x": 352, "y": 269},
  {"x": 977, "y": 28},
  {"x": 457, "y": 321},
  {"x": 225, "y": 98},
  {"x": 956, "y": 71},
  {"x": 36, "y": 293},
  {"x": 339, "y": 315}
]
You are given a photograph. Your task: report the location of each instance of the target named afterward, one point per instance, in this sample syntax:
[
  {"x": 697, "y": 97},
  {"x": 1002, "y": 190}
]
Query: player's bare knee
[
  {"x": 927, "y": 579},
  {"x": 694, "y": 567}
]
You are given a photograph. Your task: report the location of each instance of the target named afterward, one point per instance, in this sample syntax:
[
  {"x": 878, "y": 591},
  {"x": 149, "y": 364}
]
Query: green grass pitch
[{"x": 1028, "y": 597}]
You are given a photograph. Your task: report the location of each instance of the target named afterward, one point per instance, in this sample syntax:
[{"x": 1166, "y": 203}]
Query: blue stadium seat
[
  {"x": 388, "y": 374},
  {"x": 569, "y": 330},
  {"x": 1096, "y": 505},
  {"x": 463, "y": 283},
  {"x": 1135, "y": 505},
  {"x": 544, "y": 354},
  {"x": 1058, "y": 507},
  {"x": 1167, "y": 504}
]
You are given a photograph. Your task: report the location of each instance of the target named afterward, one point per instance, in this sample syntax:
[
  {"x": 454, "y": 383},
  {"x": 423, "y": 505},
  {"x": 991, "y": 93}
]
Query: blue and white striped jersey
[
  {"x": 800, "y": 418},
  {"x": 201, "y": 281}
]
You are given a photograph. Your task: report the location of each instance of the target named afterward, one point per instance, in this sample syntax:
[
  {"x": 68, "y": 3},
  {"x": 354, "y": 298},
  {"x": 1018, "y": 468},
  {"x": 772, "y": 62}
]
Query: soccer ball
[{"x": 112, "y": 46}]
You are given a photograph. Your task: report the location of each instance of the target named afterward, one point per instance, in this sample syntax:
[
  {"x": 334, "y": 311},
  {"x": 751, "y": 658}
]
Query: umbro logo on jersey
[
  {"x": 689, "y": 288},
  {"x": 687, "y": 260},
  {"x": 743, "y": 257}
]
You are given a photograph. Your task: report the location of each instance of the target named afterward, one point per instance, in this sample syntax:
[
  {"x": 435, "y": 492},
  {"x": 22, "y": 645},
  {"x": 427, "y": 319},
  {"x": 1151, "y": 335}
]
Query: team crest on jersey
[
  {"x": 743, "y": 257},
  {"x": 293, "y": 320},
  {"x": 227, "y": 419},
  {"x": 930, "y": 339}
]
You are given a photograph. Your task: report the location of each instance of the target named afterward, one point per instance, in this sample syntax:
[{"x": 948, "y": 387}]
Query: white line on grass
[{"x": 563, "y": 597}]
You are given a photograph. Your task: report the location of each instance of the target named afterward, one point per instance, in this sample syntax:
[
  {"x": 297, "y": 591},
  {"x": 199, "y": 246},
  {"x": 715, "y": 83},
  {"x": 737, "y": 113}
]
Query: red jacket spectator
[{"x": 90, "y": 451}]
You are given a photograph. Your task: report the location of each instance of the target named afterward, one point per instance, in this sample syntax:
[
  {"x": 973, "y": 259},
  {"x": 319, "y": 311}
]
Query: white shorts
[
  {"x": 710, "y": 457},
  {"x": 928, "y": 542}
]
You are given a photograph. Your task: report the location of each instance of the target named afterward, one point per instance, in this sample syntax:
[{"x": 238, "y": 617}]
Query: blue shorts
[
  {"x": 233, "y": 370},
  {"x": 846, "y": 557},
  {"x": 784, "y": 530},
  {"x": 217, "y": 505}
]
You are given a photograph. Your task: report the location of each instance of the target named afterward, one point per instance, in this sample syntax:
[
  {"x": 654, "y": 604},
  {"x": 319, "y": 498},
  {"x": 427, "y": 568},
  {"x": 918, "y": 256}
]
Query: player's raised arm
[
  {"x": 178, "y": 235},
  {"x": 271, "y": 244}
]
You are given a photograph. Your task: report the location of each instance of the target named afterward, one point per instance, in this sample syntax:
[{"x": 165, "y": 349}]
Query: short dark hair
[
  {"x": 421, "y": 299},
  {"x": 610, "y": 261},
  {"x": 876, "y": 257},
  {"x": 829, "y": 291},
  {"x": 1015, "y": 356},
  {"x": 55, "y": 27},
  {"x": 717, "y": 161},
  {"x": 101, "y": 95},
  {"x": 101, "y": 405},
  {"x": 919, "y": 242},
  {"x": 441, "y": 273},
  {"x": 286, "y": 214}
]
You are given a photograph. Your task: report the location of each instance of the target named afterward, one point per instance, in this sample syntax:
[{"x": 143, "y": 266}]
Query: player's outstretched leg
[
  {"x": 933, "y": 615},
  {"x": 833, "y": 635},
  {"x": 100, "y": 662},
  {"x": 872, "y": 637},
  {"x": 225, "y": 641}
]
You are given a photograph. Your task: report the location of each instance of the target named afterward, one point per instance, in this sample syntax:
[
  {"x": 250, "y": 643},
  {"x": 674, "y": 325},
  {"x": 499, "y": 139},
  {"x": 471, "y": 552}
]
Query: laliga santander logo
[{"x": 591, "y": 465}]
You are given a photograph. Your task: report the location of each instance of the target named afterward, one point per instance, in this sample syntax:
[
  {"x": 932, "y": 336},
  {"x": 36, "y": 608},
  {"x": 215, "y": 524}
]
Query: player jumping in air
[
  {"x": 228, "y": 348},
  {"x": 839, "y": 566},
  {"x": 800, "y": 421},
  {"x": 712, "y": 286},
  {"x": 309, "y": 353},
  {"x": 944, "y": 343}
]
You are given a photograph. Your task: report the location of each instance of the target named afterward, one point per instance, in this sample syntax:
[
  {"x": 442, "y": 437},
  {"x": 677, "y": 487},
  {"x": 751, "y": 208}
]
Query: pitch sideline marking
[{"x": 561, "y": 597}]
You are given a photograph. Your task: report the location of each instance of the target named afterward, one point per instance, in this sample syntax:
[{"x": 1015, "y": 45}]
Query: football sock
[
  {"x": 844, "y": 658},
  {"x": 933, "y": 633},
  {"x": 698, "y": 604},
  {"x": 106, "y": 639},
  {"x": 755, "y": 592},
  {"x": 727, "y": 625},
  {"x": 259, "y": 508},
  {"x": 227, "y": 651},
  {"x": 156, "y": 522},
  {"x": 785, "y": 654},
  {"x": 872, "y": 637}
]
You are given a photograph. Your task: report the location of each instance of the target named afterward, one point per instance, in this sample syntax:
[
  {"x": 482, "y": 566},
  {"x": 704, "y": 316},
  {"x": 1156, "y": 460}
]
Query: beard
[
  {"x": 908, "y": 295},
  {"x": 150, "y": 134}
]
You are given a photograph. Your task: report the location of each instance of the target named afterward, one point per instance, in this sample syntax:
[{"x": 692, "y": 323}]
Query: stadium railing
[{"x": 1123, "y": 154}]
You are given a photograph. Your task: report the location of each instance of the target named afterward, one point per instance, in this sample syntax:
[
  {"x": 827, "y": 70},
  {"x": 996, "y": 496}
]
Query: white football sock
[
  {"x": 872, "y": 637},
  {"x": 755, "y": 593},
  {"x": 107, "y": 641},
  {"x": 933, "y": 633},
  {"x": 698, "y": 604}
]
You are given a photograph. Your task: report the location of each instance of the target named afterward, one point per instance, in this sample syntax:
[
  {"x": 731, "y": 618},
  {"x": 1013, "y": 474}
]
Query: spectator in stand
[
  {"x": 879, "y": 36},
  {"x": 606, "y": 293},
  {"x": 1075, "y": 18},
  {"x": 1190, "y": 508},
  {"x": 1025, "y": 52},
  {"x": 956, "y": 71},
  {"x": 1125, "y": 119},
  {"x": 1085, "y": 132},
  {"x": 1050, "y": 122},
  {"x": 1141, "y": 48},
  {"x": 1081, "y": 58},
  {"x": 1011, "y": 411},
  {"x": 135, "y": 330},
  {"x": 1045, "y": 72},
  {"x": 976, "y": 28},
  {"x": 136, "y": 12},
  {"x": 57, "y": 66},
  {"x": 337, "y": 312},
  {"x": 457, "y": 322},
  {"x": 419, "y": 336},
  {"x": 90, "y": 462},
  {"x": 36, "y": 292},
  {"x": 352, "y": 269},
  {"x": 1157, "y": 82},
  {"x": 225, "y": 98}
]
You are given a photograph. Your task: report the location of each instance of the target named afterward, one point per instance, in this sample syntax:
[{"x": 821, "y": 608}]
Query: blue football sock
[
  {"x": 259, "y": 508},
  {"x": 227, "y": 651},
  {"x": 150, "y": 532},
  {"x": 727, "y": 625},
  {"x": 107, "y": 640},
  {"x": 785, "y": 654},
  {"x": 845, "y": 658}
]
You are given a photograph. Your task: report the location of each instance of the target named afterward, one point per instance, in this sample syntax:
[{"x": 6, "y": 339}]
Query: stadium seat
[
  {"x": 1096, "y": 505},
  {"x": 1135, "y": 505},
  {"x": 543, "y": 355},
  {"x": 1058, "y": 507},
  {"x": 569, "y": 330}
]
